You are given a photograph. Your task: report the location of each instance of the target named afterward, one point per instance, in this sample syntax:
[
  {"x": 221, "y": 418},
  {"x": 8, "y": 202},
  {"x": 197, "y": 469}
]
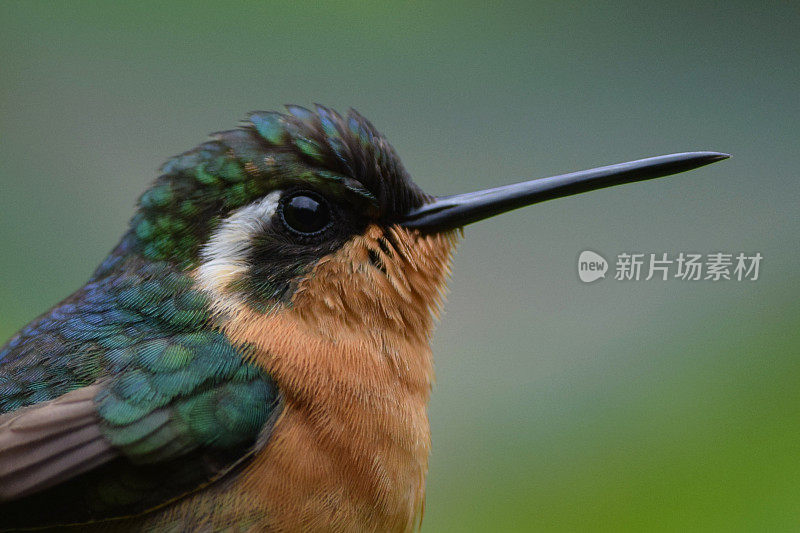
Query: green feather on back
[{"x": 177, "y": 401}]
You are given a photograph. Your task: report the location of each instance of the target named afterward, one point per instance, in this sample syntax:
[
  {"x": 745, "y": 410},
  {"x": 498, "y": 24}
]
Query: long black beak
[{"x": 449, "y": 212}]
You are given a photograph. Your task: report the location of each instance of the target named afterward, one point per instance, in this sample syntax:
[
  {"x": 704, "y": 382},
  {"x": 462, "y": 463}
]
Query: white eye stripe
[{"x": 223, "y": 259}]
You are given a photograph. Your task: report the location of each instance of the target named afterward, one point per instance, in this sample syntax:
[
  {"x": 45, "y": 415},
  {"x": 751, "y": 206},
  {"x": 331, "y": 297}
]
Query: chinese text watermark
[{"x": 662, "y": 266}]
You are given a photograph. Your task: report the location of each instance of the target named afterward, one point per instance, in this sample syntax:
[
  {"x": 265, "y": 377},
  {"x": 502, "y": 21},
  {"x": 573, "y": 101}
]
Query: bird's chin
[{"x": 385, "y": 279}]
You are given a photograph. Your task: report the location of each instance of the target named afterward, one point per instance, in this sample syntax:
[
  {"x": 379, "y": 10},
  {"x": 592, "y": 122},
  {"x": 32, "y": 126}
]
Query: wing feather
[
  {"x": 50, "y": 442},
  {"x": 121, "y": 398}
]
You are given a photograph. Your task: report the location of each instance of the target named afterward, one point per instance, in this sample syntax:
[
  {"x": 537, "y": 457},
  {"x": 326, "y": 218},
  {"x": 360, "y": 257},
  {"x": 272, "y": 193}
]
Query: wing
[{"x": 120, "y": 399}]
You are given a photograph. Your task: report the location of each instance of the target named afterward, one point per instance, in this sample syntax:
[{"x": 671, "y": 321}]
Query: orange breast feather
[{"x": 351, "y": 356}]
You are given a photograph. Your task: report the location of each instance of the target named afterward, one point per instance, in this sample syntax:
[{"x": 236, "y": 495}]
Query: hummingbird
[{"x": 254, "y": 354}]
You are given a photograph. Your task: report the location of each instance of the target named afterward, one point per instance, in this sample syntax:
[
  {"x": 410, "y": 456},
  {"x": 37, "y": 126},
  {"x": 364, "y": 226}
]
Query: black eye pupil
[{"x": 306, "y": 214}]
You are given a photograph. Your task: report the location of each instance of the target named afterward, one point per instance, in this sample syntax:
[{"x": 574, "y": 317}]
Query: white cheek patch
[{"x": 223, "y": 259}]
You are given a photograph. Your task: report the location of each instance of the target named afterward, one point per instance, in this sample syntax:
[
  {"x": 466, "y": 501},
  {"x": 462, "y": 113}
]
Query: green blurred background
[{"x": 640, "y": 406}]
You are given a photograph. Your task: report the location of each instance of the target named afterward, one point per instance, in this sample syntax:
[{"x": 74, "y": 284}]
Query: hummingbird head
[
  {"x": 301, "y": 209},
  {"x": 314, "y": 211}
]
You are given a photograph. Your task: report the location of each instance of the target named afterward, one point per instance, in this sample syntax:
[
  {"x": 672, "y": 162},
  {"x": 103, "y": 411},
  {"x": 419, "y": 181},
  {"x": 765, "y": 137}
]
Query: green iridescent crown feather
[{"x": 344, "y": 156}]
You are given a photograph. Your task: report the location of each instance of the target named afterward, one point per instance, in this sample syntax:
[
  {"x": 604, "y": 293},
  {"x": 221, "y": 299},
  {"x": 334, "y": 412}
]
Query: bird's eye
[{"x": 305, "y": 213}]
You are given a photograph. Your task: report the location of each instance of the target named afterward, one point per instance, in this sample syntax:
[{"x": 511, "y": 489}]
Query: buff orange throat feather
[{"x": 254, "y": 354}]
